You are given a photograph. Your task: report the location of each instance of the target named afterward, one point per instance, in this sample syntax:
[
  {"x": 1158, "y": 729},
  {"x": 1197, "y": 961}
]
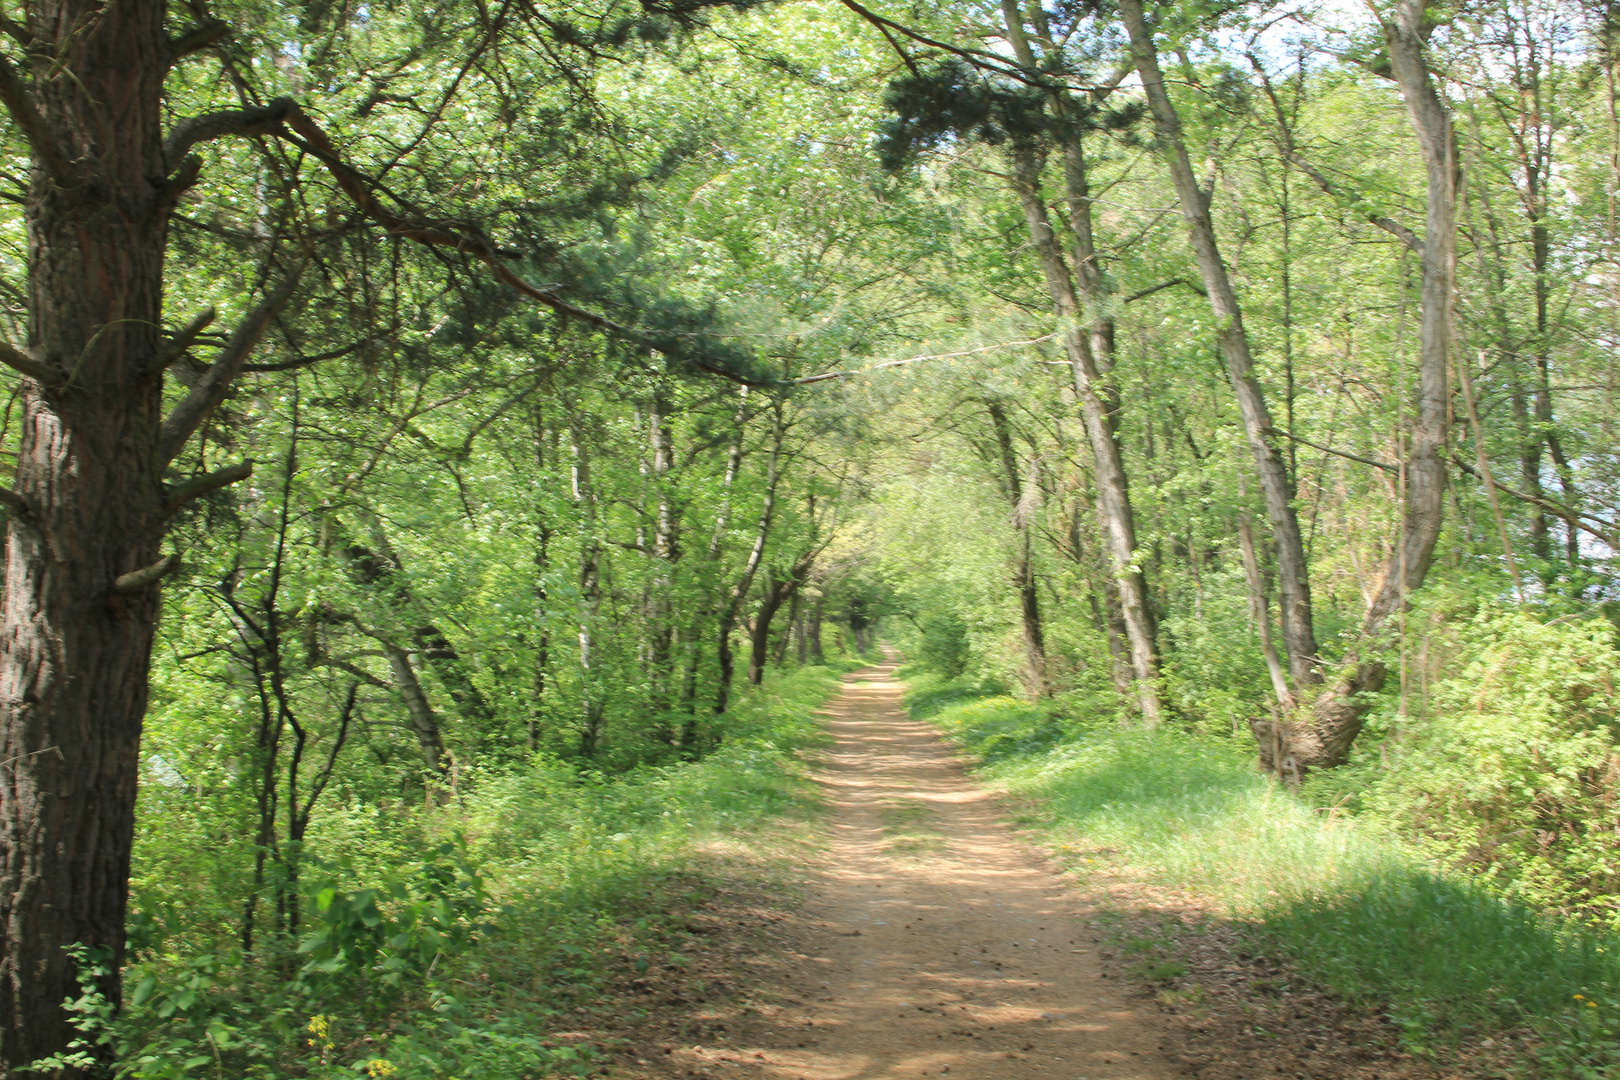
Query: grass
[{"x": 1358, "y": 912}]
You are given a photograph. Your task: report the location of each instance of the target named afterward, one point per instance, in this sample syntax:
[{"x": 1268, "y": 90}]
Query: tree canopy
[{"x": 410, "y": 399}]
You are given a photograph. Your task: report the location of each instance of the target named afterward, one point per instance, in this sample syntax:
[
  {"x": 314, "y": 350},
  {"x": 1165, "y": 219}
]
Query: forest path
[{"x": 933, "y": 940}]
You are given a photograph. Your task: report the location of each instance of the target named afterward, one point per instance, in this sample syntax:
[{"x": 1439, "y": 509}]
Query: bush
[
  {"x": 442, "y": 943},
  {"x": 944, "y": 647},
  {"x": 1514, "y": 774}
]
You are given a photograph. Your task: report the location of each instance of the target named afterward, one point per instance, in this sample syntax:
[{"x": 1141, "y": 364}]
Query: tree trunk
[
  {"x": 818, "y": 654},
  {"x": 666, "y": 551},
  {"x": 756, "y": 554},
  {"x": 1260, "y": 611},
  {"x": 592, "y": 707},
  {"x": 1293, "y": 576},
  {"x": 792, "y": 633},
  {"x": 1029, "y": 601},
  {"x": 542, "y": 598},
  {"x": 1324, "y": 739},
  {"x": 781, "y": 589},
  {"x": 776, "y": 594},
  {"x": 88, "y": 508},
  {"x": 424, "y": 721},
  {"x": 1113, "y": 491}
]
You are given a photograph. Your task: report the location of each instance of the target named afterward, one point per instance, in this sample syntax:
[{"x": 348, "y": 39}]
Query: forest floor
[{"x": 918, "y": 934}]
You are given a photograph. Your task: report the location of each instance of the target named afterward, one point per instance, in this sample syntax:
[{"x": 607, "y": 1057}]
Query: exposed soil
[{"x": 927, "y": 938}]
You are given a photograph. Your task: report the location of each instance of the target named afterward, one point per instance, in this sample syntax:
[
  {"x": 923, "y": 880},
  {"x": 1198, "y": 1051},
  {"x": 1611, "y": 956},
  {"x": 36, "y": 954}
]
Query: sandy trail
[{"x": 936, "y": 941}]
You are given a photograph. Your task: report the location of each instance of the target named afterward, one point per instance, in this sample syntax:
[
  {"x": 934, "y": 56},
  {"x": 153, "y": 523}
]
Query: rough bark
[
  {"x": 75, "y": 654},
  {"x": 1293, "y": 577}
]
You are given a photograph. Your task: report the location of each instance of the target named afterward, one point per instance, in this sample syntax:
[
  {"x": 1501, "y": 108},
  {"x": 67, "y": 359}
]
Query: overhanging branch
[
  {"x": 212, "y": 387},
  {"x": 15, "y": 97},
  {"x": 202, "y": 485},
  {"x": 309, "y": 137},
  {"x": 37, "y": 370}
]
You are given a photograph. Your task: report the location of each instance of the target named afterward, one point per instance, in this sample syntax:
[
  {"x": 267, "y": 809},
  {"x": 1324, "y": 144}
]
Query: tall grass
[{"x": 1360, "y": 912}]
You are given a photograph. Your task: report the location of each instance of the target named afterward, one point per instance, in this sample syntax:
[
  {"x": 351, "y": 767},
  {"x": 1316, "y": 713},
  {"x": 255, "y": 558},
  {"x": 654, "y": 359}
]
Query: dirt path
[{"x": 933, "y": 940}]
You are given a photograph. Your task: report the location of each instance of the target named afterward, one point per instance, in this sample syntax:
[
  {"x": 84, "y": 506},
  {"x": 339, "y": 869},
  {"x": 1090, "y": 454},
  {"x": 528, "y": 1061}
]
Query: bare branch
[
  {"x": 197, "y": 39},
  {"x": 1573, "y": 517},
  {"x": 17, "y": 504},
  {"x": 189, "y": 132},
  {"x": 1413, "y": 242},
  {"x": 14, "y": 96},
  {"x": 306, "y": 361},
  {"x": 202, "y": 485},
  {"x": 984, "y": 61},
  {"x": 177, "y": 346},
  {"x": 826, "y": 375},
  {"x": 145, "y": 578},
  {"x": 1386, "y": 466},
  {"x": 1145, "y": 293},
  {"x": 211, "y": 388},
  {"x": 1284, "y": 137},
  {"x": 357, "y": 672},
  {"x": 37, "y": 370}
]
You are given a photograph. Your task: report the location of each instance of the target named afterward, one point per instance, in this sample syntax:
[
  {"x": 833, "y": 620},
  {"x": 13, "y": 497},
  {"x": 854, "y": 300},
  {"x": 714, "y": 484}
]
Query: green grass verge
[{"x": 1358, "y": 912}]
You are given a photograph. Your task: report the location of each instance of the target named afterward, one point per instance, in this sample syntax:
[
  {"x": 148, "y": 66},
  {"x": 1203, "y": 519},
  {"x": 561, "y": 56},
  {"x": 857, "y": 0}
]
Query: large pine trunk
[{"x": 74, "y": 650}]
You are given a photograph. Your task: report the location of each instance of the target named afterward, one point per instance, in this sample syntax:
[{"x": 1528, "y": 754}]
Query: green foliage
[
  {"x": 532, "y": 879},
  {"x": 944, "y": 646},
  {"x": 1514, "y": 773}
]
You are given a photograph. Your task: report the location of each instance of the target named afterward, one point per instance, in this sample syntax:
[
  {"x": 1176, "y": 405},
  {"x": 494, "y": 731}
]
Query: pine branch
[
  {"x": 309, "y": 137},
  {"x": 202, "y": 485},
  {"x": 210, "y": 390},
  {"x": 265, "y": 120},
  {"x": 37, "y": 370},
  {"x": 15, "y": 97},
  {"x": 177, "y": 346}
]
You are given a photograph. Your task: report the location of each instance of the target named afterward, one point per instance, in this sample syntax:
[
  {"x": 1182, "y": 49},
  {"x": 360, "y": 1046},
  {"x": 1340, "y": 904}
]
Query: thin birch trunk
[{"x": 1293, "y": 577}]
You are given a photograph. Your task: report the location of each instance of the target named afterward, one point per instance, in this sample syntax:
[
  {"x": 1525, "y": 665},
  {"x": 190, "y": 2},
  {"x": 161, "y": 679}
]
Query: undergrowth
[
  {"x": 448, "y": 942},
  {"x": 1362, "y": 911}
]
